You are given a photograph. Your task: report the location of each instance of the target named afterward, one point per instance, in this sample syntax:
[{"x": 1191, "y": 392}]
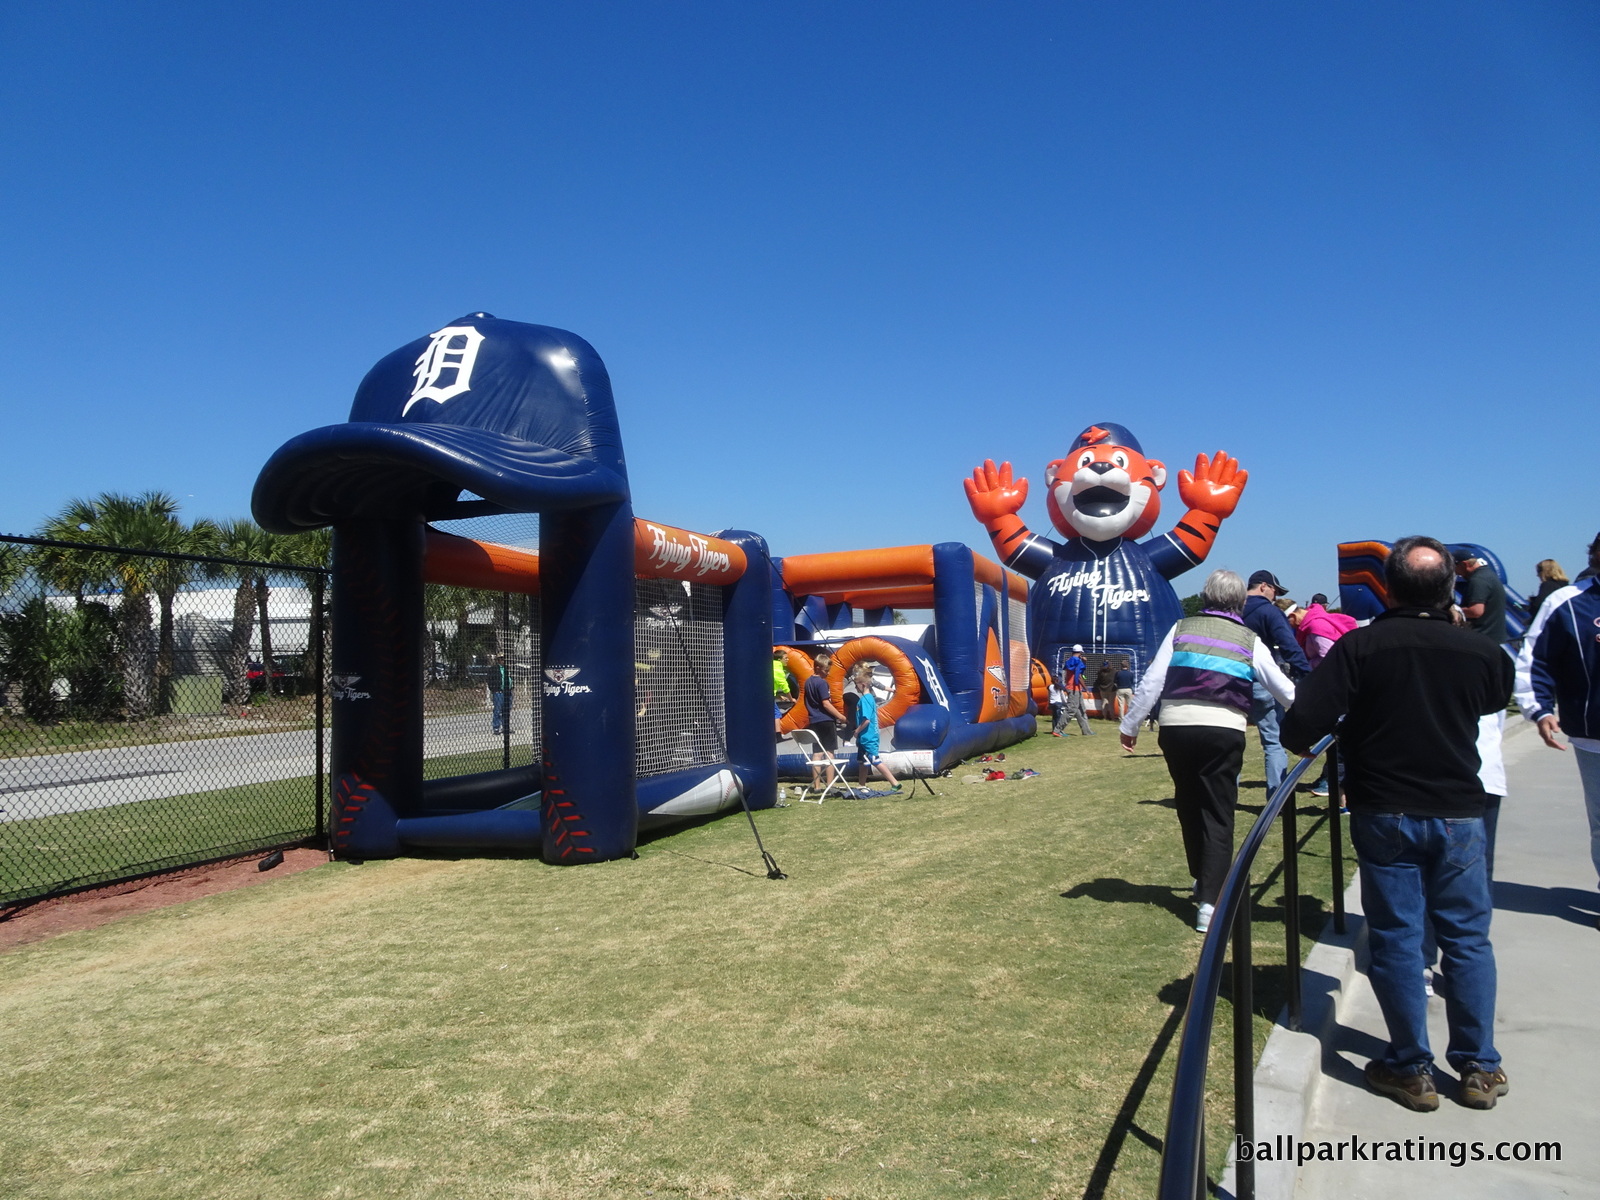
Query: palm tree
[
  {"x": 446, "y": 606},
  {"x": 240, "y": 538},
  {"x": 33, "y": 643},
  {"x": 313, "y": 549},
  {"x": 69, "y": 570},
  {"x": 144, "y": 522}
]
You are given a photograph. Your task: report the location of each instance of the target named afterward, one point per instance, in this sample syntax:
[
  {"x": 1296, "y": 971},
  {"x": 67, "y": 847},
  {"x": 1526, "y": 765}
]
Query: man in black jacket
[
  {"x": 1410, "y": 689},
  {"x": 1266, "y": 620}
]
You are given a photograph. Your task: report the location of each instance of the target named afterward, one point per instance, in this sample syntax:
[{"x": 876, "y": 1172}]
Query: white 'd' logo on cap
[{"x": 455, "y": 349}]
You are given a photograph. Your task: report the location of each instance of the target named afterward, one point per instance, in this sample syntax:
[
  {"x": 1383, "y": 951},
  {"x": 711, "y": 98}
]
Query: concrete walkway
[{"x": 1547, "y": 1021}]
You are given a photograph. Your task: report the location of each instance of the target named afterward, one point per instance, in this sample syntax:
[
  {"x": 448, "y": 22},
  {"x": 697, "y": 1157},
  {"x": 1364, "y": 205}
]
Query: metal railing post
[
  {"x": 1244, "y": 1059},
  {"x": 1291, "y": 910},
  {"x": 1336, "y": 835}
]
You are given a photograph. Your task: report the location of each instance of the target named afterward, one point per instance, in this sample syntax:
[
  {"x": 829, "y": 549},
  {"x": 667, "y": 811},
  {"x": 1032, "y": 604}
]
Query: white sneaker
[{"x": 1203, "y": 921}]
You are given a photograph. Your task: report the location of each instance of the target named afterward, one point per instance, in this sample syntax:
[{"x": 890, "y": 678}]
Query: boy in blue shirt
[{"x": 867, "y": 729}]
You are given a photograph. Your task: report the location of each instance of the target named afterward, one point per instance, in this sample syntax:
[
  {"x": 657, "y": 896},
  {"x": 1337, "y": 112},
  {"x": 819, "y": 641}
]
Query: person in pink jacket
[{"x": 1317, "y": 629}]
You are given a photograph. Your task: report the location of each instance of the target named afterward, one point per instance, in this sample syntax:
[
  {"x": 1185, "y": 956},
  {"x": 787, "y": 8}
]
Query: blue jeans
[
  {"x": 1266, "y": 713},
  {"x": 1589, "y": 772},
  {"x": 502, "y": 711},
  {"x": 1416, "y": 866}
]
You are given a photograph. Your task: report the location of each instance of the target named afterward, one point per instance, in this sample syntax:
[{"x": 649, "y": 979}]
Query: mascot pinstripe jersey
[{"x": 1102, "y": 587}]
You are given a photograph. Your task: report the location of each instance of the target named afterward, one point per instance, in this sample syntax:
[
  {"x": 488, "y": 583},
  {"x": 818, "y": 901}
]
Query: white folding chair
[{"x": 811, "y": 745}]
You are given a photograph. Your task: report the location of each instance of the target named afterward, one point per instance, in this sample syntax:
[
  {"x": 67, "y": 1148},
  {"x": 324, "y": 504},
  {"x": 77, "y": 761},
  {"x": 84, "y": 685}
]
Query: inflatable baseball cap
[
  {"x": 521, "y": 415},
  {"x": 1107, "y": 433}
]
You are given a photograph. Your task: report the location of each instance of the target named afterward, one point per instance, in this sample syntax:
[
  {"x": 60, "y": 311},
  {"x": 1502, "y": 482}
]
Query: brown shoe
[
  {"x": 1416, "y": 1092},
  {"x": 1481, "y": 1088}
]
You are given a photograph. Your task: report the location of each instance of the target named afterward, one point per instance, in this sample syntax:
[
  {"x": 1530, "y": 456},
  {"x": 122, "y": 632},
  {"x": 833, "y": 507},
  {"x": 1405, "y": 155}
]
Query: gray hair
[{"x": 1223, "y": 592}]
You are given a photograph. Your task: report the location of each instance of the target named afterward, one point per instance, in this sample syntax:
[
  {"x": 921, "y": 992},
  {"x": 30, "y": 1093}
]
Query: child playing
[
  {"x": 1058, "y": 709},
  {"x": 867, "y": 728}
]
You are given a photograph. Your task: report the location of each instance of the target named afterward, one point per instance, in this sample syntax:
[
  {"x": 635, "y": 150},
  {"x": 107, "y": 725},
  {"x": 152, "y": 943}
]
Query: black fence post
[
  {"x": 506, "y": 660},
  {"x": 1291, "y": 910},
  {"x": 1335, "y": 835},
  {"x": 319, "y": 668},
  {"x": 1244, "y": 1095}
]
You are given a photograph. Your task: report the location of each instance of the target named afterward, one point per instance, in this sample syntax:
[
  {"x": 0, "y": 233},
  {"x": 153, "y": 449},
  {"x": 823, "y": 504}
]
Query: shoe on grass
[
  {"x": 1202, "y": 921},
  {"x": 1320, "y": 791},
  {"x": 1481, "y": 1087},
  {"x": 1416, "y": 1092}
]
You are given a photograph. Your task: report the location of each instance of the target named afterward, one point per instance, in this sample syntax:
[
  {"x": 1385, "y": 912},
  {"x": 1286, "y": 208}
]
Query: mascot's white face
[{"x": 1104, "y": 492}]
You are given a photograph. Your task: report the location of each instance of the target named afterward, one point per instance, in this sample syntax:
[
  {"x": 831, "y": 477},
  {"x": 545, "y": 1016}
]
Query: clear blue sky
[{"x": 834, "y": 255}]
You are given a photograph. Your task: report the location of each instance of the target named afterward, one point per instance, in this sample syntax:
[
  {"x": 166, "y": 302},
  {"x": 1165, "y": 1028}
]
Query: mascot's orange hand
[
  {"x": 1215, "y": 486},
  {"x": 992, "y": 492}
]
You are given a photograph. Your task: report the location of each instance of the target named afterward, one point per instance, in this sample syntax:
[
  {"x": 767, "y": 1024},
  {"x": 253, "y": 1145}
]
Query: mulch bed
[{"x": 100, "y": 906}]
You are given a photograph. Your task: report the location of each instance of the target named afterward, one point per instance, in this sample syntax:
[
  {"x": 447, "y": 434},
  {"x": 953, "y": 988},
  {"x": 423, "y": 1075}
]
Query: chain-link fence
[
  {"x": 159, "y": 710},
  {"x": 156, "y": 710}
]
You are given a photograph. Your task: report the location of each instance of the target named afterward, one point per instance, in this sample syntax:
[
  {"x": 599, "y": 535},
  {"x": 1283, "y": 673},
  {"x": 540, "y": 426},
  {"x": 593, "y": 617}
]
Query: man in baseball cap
[
  {"x": 1072, "y": 685},
  {"x": 1271, "y": 580},
  {"x": 1267, "y": 621}
]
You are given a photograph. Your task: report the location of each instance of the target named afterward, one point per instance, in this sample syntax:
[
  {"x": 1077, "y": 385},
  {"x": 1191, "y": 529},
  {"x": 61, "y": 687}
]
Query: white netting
[
  {"x": 1018, "y": 661},
  {"x": 677, "y": 629},
  {"x": 466, "y": 628},
  {"x": 517, "y": 530}
]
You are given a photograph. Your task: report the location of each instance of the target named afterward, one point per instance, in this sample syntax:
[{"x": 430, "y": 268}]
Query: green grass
[
  {"x": 45, "y": 854},
  {"x": 948, "y": 997},
  {"x": 41, "y": 855}
]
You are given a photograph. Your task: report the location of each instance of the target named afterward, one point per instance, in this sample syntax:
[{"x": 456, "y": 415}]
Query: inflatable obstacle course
[
  {"x": 1363, "y": 594},
  {"x": 959, "y": 686}
]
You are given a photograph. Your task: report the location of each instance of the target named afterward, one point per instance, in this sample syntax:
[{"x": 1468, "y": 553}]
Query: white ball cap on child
[{"x": 1077, "y": 649}]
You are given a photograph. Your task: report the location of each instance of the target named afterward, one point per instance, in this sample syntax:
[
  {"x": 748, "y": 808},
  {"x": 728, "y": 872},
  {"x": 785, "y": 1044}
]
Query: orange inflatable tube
[
  {"x": 659, "y": 552},
  {"x": 464, "y": 562},
  {"x": 835, "y": 575}
]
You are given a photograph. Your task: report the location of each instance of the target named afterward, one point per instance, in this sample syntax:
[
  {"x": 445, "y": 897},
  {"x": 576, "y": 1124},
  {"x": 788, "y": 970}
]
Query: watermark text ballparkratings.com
[{"x": 1300, "y": 1151}]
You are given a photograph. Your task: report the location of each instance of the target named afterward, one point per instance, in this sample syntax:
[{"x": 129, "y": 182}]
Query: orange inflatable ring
[
  {"x": 907, "y": 688},
  {"x": 798, "y": 664},
  {"x": 1041, "y": 685}
]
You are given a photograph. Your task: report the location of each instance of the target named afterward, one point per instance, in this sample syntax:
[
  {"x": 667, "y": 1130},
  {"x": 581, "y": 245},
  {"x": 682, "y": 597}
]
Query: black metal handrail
[{"x": 1183, "y": 1156}]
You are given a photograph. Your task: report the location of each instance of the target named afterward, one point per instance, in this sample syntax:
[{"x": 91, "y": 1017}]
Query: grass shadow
[
  {"x": 1120, "y": 891},
  {"x": 1125, "y": 1124}
]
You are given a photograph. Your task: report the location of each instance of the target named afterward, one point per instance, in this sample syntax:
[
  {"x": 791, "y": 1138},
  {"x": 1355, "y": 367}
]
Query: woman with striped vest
[{"x": 1202, "y": 675}]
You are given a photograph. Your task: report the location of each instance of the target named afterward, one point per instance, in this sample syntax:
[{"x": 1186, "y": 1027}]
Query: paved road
[
  {"x": 1547, "y": 1021},
  {"x": 46, "y": 784}
]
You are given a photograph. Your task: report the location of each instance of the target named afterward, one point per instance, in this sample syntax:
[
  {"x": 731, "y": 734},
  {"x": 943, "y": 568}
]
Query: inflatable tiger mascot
[{"x": 1102, "y": 588}]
